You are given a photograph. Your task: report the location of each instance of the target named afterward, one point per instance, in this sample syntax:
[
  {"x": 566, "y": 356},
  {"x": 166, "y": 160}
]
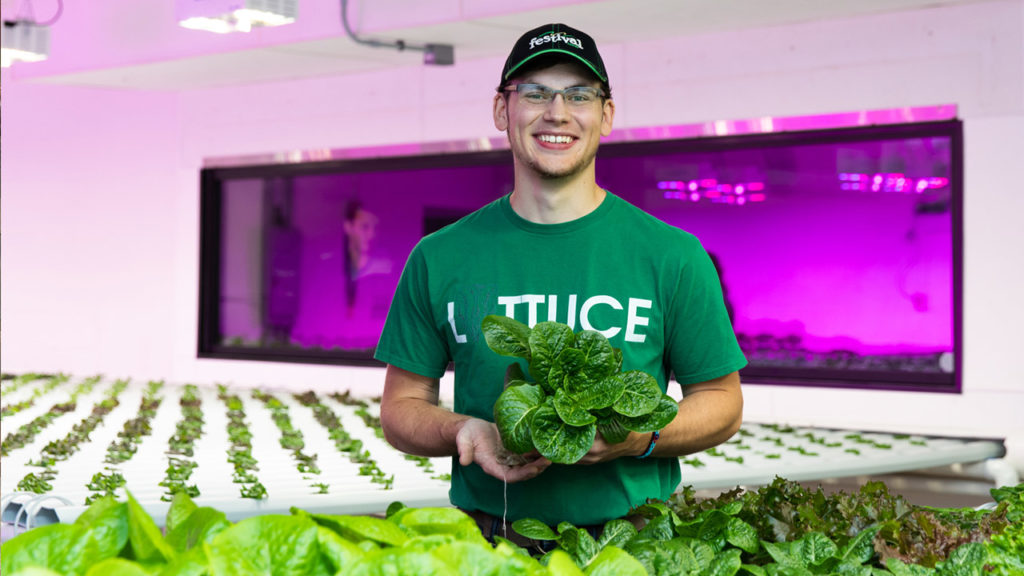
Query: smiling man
[{"x": 558, "y": 248}]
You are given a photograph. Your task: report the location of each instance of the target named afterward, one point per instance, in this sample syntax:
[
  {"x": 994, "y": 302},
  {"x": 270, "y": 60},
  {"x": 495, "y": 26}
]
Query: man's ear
[
  {"x": 608, "y": 114},
  {"x": 500, "y": 112}
]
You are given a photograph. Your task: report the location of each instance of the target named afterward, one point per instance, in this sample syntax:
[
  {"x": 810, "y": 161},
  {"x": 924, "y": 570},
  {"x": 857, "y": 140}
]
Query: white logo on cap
[{"x": 555, "y": 37}]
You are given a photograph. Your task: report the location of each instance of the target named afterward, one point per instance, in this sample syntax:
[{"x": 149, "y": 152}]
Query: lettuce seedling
[{"x": 577, "y": 390}]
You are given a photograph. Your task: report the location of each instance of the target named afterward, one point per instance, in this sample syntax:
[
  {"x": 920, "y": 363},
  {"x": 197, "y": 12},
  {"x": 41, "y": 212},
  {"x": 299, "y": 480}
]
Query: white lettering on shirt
[
  {"x": 633, "y": 319},
  {"x": 594, "y": 301},
  {"x": 537, "y": 304},
  {"x": 459, "y": 338},
  {"x": 509, "y": 302},
  {"x": 532, "y": 300}
]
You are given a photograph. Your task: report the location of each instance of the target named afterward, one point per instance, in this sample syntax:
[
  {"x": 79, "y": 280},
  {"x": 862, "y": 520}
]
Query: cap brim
[{"x": 557, "y": 51}]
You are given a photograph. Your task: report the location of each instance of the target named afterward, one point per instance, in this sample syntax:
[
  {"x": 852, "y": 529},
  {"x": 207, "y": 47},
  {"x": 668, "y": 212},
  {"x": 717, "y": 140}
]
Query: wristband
[{"x": 650, "y": 447}]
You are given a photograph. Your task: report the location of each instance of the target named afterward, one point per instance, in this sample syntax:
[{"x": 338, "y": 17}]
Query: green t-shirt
[{"x": 647, "y": 286}]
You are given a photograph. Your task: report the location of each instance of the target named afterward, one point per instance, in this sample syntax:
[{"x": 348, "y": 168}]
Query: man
[{"x": 561, "y": 248}]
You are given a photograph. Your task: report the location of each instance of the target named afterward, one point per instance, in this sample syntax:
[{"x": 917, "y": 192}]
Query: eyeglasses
[{"x": 540, "y": 95}]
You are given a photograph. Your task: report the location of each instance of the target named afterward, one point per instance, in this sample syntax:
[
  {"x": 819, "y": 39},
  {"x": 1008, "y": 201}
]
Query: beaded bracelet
[{"x": 650, "y": 447}]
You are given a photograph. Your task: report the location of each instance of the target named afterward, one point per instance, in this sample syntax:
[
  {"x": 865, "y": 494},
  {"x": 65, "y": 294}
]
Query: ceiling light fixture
[
  {"x": 224, "y": 16},
  {"x": 25, "y": 40},
  {"x": 435, "y": 54}
]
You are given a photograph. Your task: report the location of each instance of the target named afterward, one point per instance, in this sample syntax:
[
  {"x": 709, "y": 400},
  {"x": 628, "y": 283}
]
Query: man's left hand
[{"x": 603, "y": 451}]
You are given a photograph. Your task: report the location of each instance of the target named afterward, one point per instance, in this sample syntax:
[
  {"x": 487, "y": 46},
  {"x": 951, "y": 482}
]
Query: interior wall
[
  {"x": 86, "y": 285},
  {"x": 143, "y": 294}
]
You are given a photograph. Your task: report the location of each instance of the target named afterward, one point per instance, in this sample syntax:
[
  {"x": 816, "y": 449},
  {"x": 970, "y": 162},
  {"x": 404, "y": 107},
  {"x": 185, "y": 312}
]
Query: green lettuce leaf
[
  {"x": 617, "y": 532},
  {"x": 271, "y": 544},
  {"x": 900, "y": 568},
  {"x": 664, "y": 413},
  {"x": 815, "y": 548},
  {"x": 117, "y": 567},
  {"x": 640, "y": 394},
  {"x": 340, "y": 553},
  {"x": 612, "y": 430},
  {"x": 598, "y": 355},
  {"x": 580, "y": 545},
  {"x": 742, "y": 535},
  {"x": 667, "y": 558},
  {"x": 967, "y": 560},
  {"x": 547, "y": 340},
  {"x": 145, "y": 540},
  {"x": 570, "y": 411},
  {"x": 571, "y": 360},
  {"x": 558, "y": 441},
  {"x": 427, "y": 521},
  {"x": 107, "y": 521},
  {"x": 200, "y": 526},
  {"x": 507, "y": 336},
  {"x": 603, "y": 393},
  {"x": 614, "y": 561},
  {"x": 535, "y": 529},
  {"x": 726, "y": 563},
  {"x": 471, "y": 559},
  {"x": 181, "y": 506},
  {"x": 37, "y": 571},
  {"x": 402, "y": 562},
  {"x": 361, "y": 528},
  {"x": 513, "y": 414},
  {"x": 561, "y": 564},
  {"x": 191, "y": 563},
  {"x": 62, "y": 548}
]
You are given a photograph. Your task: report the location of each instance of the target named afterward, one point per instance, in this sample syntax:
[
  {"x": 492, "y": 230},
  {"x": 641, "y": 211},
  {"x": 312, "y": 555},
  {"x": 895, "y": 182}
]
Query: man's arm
[
  {"x": 413, "y": 423},
  {"x": 709, "y": 414}
]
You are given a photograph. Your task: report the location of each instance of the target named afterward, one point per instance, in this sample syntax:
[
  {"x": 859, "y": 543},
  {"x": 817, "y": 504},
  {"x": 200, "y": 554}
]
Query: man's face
[
  {"x": 554, "y": 140},
  {"x": 361, "y": 230}
]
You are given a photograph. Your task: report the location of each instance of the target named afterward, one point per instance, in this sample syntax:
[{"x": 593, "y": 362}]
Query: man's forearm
[
  {"x": 417, "y": 427},
  {"x": 706, "y": 418}
]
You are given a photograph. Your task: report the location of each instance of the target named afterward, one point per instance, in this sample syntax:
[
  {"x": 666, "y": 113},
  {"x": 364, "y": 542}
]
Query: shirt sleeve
[
  {"x": 700, "y": 340},
  {"x": 411, "y": 338}
]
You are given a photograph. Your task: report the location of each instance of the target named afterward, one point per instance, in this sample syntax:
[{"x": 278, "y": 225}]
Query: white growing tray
[
  {"x": 348, "y": 492},
  {"x": 351, "y": 493}
]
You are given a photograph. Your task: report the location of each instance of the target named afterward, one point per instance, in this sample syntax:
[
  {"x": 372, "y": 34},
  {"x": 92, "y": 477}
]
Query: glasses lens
[
  {"x": 535, "y": 93},
  {"x": 580, "y": 95},
  {"x": 542, "y": 95}
]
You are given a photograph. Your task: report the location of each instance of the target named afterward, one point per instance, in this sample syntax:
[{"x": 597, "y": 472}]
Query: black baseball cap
[{"x": 554, "y": 41}]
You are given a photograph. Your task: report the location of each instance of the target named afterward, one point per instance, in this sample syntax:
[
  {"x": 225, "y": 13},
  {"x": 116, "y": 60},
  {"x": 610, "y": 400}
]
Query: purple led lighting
[
  {"x": 711, "y": 189},
  {"x": 890, "y": 182}
]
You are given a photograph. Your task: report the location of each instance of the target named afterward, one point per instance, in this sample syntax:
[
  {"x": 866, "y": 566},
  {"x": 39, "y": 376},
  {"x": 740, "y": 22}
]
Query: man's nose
[{"x": 557, "y": 108}]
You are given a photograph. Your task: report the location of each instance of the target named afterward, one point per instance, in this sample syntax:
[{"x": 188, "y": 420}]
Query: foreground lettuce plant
[
  {"x": 119, "y": 539},
  {"x": 578, "y": 390},
  {"x": 780, "y": 530}
]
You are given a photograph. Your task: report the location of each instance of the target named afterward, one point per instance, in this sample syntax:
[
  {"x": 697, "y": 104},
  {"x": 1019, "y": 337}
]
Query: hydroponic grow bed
[{"x": 264, "y": 451}]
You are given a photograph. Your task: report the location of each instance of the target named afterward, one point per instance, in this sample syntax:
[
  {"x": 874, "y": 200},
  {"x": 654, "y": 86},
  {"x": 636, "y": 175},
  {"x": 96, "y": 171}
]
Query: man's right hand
[{"x": 479, "y": 441}]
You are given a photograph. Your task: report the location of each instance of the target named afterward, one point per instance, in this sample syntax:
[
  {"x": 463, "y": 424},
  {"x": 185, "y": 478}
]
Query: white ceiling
[{"x": 610, "y": 21}]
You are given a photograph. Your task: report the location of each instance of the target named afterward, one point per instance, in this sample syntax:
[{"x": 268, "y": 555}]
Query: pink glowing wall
[{"x": 88, "y": 228}]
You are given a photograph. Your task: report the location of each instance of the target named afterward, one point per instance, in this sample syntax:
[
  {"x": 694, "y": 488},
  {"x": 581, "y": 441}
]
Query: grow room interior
[{"x": 852, "y": 166}]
